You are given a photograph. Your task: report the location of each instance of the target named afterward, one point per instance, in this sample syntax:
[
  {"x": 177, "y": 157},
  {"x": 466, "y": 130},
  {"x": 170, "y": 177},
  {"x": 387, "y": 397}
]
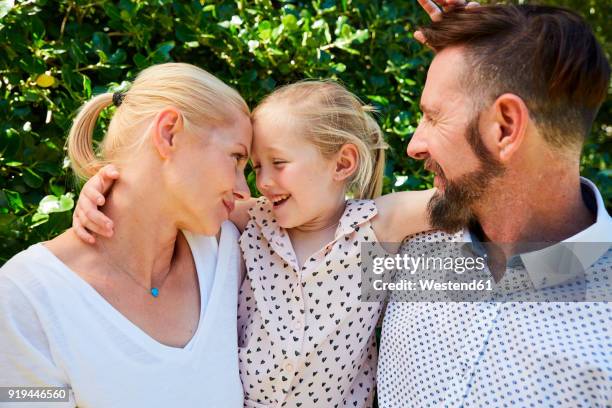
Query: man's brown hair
[{"x": 548, "y": 56}]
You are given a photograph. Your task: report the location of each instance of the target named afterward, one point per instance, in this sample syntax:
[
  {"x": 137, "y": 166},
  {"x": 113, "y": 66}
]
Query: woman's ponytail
[{"x": 80, "y": 140}]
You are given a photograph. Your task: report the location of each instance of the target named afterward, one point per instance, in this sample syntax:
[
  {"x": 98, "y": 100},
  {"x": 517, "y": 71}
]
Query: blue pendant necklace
[{"x": 154, "y": 290}]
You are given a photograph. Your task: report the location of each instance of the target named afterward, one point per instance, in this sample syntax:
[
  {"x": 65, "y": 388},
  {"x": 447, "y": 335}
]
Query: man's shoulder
[{"x": 434, "y": 236}]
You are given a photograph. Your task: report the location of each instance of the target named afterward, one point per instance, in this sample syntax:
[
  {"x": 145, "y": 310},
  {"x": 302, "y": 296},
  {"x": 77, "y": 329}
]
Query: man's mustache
[{"x": 434, "y": 167}]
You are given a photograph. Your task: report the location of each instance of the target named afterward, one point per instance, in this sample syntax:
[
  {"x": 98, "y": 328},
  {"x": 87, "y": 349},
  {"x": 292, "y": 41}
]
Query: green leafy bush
[{"x": 55, "y": 55}]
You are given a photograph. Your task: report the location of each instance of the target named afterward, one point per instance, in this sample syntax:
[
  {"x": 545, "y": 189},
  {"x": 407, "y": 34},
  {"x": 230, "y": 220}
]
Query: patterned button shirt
[
  {"x": 306, "y": 338},
  {"x": 526, "y": 354}
]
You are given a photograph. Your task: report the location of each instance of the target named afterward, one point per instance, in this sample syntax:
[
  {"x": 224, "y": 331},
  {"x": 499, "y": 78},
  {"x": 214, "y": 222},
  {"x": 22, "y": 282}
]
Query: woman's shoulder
[
  {"x": 23, "y": 282},
  {"x": 41, "y": 272},
  {"x": 29, "y": 264}
]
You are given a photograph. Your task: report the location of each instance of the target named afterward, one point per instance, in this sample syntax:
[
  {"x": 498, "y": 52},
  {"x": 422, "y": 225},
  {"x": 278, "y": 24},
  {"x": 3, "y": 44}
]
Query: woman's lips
[{"x": 229, "y": 205}]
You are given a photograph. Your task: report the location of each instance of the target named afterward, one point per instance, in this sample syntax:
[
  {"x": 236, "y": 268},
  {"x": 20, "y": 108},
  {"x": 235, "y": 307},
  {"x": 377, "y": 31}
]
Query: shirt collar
[
  {"x": 356, "y": 213},
  {"x": 557, "y": 263}
]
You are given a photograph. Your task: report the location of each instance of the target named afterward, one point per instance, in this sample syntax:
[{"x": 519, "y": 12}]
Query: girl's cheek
[{"x": 287, "y": 178}]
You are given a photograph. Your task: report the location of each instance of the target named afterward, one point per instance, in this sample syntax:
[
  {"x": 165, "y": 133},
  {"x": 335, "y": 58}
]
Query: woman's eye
[
  {"x": 278, "y": 162},
  {"x": 239, "y": 157}
]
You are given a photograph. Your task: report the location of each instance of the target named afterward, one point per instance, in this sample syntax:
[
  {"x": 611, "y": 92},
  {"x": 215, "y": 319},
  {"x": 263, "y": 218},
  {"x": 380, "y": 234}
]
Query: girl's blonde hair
[
  {"x": 331, "y": 116},
  {"x": 201, "y": 98}
]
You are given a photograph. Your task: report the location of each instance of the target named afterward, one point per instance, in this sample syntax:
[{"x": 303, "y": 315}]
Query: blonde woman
[{"x": 147, "y": 318}]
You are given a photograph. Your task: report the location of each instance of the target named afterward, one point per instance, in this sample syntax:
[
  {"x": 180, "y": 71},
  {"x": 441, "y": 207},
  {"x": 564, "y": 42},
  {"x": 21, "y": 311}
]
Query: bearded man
[{"x": 510, "y": 97}]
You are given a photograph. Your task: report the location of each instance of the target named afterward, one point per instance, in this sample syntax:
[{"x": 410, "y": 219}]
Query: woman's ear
[
  {"x": 347, "y": 160},
  {"x": 166, "y": 125}
]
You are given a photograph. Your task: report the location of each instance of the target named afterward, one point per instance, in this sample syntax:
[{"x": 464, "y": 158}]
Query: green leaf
[
  {"x": 339, "y": 67},
  {"x": 140, "y": 61},
  {"x": 381, "y": 100},
  {"x": 53, "y": 204},
  {"x": 66, "y": 202},
  {"x": 87, "y": 86},
  {"x": 360, "y": 36},
  {"x": 289, "y": 21},
  {"x": 39, "y": 219},
  {"x": 264, "y": 30},
  {"x": 14, "y": 200},
  {"x": 162, "y": 53},
  {"x": 118, "y": 57},
  {"x": 31, "y": 178}
]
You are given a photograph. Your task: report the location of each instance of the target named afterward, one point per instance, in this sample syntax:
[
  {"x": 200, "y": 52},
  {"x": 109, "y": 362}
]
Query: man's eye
[{"x": 429, "y": 119}]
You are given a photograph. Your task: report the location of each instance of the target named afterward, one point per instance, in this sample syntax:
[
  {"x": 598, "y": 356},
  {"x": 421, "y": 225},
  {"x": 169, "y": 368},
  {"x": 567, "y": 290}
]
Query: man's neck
[{"x": 544, "y": 211}]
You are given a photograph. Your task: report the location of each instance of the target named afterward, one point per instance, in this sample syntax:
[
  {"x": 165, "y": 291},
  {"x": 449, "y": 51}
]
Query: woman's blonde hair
[
  {"x": 331, "y": 116},
  {"x": 201, "y": 98}
]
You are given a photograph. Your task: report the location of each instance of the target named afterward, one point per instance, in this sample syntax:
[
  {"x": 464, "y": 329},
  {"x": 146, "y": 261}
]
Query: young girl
[{"x": 305, "y": 337}]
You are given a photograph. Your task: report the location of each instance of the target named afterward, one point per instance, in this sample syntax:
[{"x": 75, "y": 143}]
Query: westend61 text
[{"x": 432, "y": 285}]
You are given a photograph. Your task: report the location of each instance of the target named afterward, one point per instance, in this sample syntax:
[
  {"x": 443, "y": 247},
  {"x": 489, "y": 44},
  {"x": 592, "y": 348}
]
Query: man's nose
[{"x": 417, "y": 148}]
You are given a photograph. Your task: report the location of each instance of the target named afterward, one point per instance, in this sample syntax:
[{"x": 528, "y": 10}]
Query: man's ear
[
  {"x": 347, "y": 160},
  {"x": 508, "y": 120},
  {"x": 166, "y": 125}
]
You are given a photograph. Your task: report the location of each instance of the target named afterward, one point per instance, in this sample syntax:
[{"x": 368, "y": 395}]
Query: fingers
[
  {"x": 452, "y": 4},
  {"x": 431, "y": 9},
  {"x": 435, "y": 13},
  {"x": 105, "y": 178},
  {"x": 435, "y": 9},
  {"x": 91, "y": 217},
  {"x": 420, "y": 37},
  {"x": 92, "y": 194},
  {"x": 81, "y": 232},
  {"x": 87, "y": 219},
  {"x": 94, "y": 221}
]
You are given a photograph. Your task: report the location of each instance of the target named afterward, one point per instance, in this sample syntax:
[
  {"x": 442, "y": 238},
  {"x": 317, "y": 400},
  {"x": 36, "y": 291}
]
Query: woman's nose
[{"x": 241, "y": 189}]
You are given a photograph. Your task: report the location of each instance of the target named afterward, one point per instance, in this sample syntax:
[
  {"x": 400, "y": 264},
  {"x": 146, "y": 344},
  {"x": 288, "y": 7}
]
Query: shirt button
[
  {"x": 297, "y": 325},
  {"x": 289, "y": 367}
]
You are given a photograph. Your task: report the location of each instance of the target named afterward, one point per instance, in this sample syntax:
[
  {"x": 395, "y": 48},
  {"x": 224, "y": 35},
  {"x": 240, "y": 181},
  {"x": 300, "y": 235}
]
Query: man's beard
[{"x": 451, "y": 209}]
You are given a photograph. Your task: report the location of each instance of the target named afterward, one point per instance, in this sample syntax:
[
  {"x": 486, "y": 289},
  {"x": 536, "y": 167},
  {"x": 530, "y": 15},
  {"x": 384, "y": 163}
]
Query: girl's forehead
[
  {"x": 280, "y": 140},
  {"x": 278, "y": 130}
]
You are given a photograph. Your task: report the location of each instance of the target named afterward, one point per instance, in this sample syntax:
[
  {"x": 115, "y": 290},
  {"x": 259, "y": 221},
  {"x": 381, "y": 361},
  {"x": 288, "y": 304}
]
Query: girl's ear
[
  {"x": 347, "y": 160},
  {"x": 166, "y": 125}
]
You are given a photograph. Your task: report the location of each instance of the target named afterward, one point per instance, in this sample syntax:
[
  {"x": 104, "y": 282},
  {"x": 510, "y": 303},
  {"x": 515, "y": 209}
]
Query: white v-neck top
[{"x": 56, "y": 330}]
